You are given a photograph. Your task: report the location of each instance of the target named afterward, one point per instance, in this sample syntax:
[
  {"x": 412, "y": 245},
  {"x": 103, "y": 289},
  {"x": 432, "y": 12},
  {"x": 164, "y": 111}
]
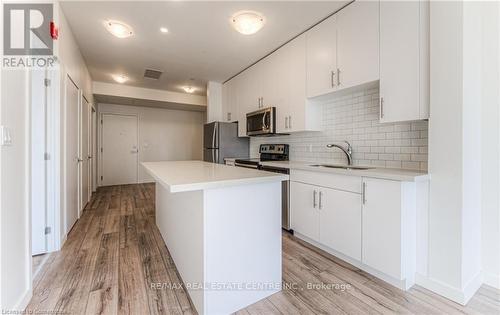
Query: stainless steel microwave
[{"x": 262, "y": 122}]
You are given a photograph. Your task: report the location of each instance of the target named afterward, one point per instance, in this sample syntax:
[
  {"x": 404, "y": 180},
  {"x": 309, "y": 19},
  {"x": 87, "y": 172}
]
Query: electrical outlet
[{"x": 5, "y": 138}]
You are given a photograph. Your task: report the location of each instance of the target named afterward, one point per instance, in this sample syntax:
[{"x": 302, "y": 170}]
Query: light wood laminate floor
[{"x": 115, "y": 253}]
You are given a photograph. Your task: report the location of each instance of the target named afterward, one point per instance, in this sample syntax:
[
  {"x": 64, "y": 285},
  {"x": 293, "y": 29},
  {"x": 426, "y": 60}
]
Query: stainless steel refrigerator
[{"x": 220, "y": 140}]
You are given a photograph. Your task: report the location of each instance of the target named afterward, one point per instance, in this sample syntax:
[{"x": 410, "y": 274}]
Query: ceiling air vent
[{"x": 152, "y": 74}]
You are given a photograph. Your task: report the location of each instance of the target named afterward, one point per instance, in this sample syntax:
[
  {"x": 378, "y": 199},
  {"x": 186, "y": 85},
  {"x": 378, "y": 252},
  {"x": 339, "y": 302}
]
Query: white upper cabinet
[
  {"x": 358, "y": 44},
  {"x": 343, "y": 51},
  {"x": 294, "y": 113},
  {"x": 229, "y": 102},
  {"x": 404, "y": 60},
  {"x": 321, "y": 57}
]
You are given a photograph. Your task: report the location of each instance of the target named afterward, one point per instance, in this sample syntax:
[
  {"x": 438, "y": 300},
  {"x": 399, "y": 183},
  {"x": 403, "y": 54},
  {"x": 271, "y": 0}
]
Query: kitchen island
[{"x": 222, "y": 226}]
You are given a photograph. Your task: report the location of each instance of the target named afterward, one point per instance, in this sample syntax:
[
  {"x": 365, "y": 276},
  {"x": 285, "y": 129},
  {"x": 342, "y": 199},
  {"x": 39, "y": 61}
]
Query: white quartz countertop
[
  {"x": 180, "y": 176},
  {"x": 382, "y": 173}
]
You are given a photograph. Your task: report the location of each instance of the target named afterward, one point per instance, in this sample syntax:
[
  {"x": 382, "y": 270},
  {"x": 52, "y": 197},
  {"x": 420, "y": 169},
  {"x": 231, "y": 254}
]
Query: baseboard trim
[
  {"x": 23, "y": 301},
  {"x": 491, "y": 279},
  {"x": 452, "y": 293}
]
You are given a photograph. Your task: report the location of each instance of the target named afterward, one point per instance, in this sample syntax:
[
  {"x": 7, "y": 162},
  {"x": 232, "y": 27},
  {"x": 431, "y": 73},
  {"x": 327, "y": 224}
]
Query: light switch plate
[{"x": 5, "y": 138}]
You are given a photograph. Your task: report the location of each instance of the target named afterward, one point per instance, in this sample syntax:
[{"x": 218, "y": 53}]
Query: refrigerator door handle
[{"x": 214, "y": 132}]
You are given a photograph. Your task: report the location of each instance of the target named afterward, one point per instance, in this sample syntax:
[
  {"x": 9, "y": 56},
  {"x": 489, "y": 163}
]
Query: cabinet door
[
  {"x": 340, "y": 221},
  {"x": 297, "y": 84},
  {"x": 358, "y": 44},
  {"x": 399, "y": 60},
  {"x": 303, "y": 209},
  {"x": 275, "y": 85},
  {"x": 321, "y": 57},
  {"x": 229, "y": 102},
  {"x": 382, "y": 226},
  {"x": 225, "y": 101}
]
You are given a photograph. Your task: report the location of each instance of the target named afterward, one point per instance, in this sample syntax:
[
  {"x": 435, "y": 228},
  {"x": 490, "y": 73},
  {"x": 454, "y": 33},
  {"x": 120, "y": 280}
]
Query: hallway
[{"x": 115, "y": 253}]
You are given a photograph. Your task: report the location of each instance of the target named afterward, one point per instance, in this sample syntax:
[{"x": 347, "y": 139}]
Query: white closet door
[
  {"x": 72, "y": 156},
  {"x": 119, "y": 150}
]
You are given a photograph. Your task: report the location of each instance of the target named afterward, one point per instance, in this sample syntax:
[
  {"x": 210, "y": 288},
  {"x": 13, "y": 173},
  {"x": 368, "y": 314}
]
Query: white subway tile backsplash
[{"x": 355, "y": 118}]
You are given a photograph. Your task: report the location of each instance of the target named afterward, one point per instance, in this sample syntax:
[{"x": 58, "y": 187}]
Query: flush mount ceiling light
[
  {"x": 120, "y": 78},
  {"x": 118, "y": 29},
  {"x": 164, "y": 30},
  {"x": 188, "y": 89},
  {"x": 247, "y": 22}
]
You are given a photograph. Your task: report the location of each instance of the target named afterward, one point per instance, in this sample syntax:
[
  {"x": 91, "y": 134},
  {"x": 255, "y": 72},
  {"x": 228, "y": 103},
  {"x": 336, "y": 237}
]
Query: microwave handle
[{"x": 264, "y": 126}]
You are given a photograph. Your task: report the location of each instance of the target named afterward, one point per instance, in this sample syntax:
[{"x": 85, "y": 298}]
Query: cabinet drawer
[{"x": 335, "y": 181}]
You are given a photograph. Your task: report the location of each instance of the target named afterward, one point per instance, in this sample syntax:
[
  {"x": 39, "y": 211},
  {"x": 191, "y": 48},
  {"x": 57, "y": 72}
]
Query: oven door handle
[{"x": 246, "y": 165}]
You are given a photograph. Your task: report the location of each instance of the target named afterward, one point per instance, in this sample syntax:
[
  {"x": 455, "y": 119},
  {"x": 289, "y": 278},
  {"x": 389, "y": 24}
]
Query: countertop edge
[
  {"x": 372, "y": 173},
  {"x": 174, "y": 188}
]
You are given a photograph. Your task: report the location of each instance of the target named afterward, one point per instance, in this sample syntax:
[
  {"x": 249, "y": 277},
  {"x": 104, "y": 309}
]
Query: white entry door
[
  {"x": 85, "y": 128},
  {"x": 119, "y": 150},
  {"x": 72, "y": 156}
]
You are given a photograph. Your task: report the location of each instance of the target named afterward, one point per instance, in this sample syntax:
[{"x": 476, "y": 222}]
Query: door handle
[
  {"x": 314, "y": 198},
  {"x": 381, "y": 107},
  {"x": 320, "y": 205},
  {"x": 338, "y": 77},
  {"x": 290, "y": 122},
  {"x": 363, "y": 192},
  {"x": 332, "y": 76},
  {"x": 286, "y": 122},
  {"x": 78, "y": 160}
]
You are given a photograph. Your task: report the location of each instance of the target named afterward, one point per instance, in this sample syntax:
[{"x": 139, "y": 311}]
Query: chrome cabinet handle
[
  {"x": 320, "y": 205},
  {"x": 338, "y": 77},
  {"x": 286, "y": 122},
  {"x": 228, "y": 116},
  {"x": 381, "y": 107},
  {"x": 363, "y": 192},
  {"x": 290, "y": 122},
  {"x": 332, "y": 76},
  {"x": 79, "y": 160},
  {"x": 314, "y": 198}
]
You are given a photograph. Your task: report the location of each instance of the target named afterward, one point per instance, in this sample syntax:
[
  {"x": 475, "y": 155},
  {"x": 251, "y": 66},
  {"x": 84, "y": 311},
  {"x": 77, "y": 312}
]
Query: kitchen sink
[{"x": 345, "y": 167}]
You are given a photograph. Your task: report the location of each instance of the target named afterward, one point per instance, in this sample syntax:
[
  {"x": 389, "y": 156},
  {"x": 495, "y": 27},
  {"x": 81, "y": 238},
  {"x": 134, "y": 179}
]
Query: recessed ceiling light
[
  {"x": 188, "y": 89},
  {"x": 164, "y": 30},
  {"x": 119, "y": 29},
  {"x": 120, "y": 78},
  {"x": 247, "y": 22}
]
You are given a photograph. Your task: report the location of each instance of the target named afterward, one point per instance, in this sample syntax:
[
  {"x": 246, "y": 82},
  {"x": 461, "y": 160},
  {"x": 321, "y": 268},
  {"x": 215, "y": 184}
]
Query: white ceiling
[{"x": 201, "y": 44}]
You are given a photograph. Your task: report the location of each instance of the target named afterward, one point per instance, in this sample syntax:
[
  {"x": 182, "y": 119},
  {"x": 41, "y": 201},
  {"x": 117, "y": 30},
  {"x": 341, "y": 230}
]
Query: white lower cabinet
[
  {"x": 382, "y": 246},
  {"x": 303, "y": 203},
  {"x": 372, "y": 222},
  {"x": 328, "y": 216},
  {"x": 340, "y": 221}
]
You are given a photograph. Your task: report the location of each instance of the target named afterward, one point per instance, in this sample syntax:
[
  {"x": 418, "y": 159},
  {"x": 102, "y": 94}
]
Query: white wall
[
  {"x": 355, "y": 117},
  {"x": 460, "y": 149},
  {"x": 14, "y": 202},
  {"x": 164, "y": 134},
  {"x": 490, "y": 145}
]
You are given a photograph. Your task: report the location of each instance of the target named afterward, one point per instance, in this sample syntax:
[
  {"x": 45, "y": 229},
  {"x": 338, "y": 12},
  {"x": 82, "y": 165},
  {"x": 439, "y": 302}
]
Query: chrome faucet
[{"x": 347, "y": 151}]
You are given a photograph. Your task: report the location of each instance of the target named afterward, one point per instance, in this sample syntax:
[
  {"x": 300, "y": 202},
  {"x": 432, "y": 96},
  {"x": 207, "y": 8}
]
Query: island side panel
[
  {"x": 179, "y": 217},
  {"x": 242, "y": 244}
]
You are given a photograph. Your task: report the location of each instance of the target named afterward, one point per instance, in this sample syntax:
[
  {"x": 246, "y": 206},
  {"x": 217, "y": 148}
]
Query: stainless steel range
[{"x": 273, "y": 152}]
